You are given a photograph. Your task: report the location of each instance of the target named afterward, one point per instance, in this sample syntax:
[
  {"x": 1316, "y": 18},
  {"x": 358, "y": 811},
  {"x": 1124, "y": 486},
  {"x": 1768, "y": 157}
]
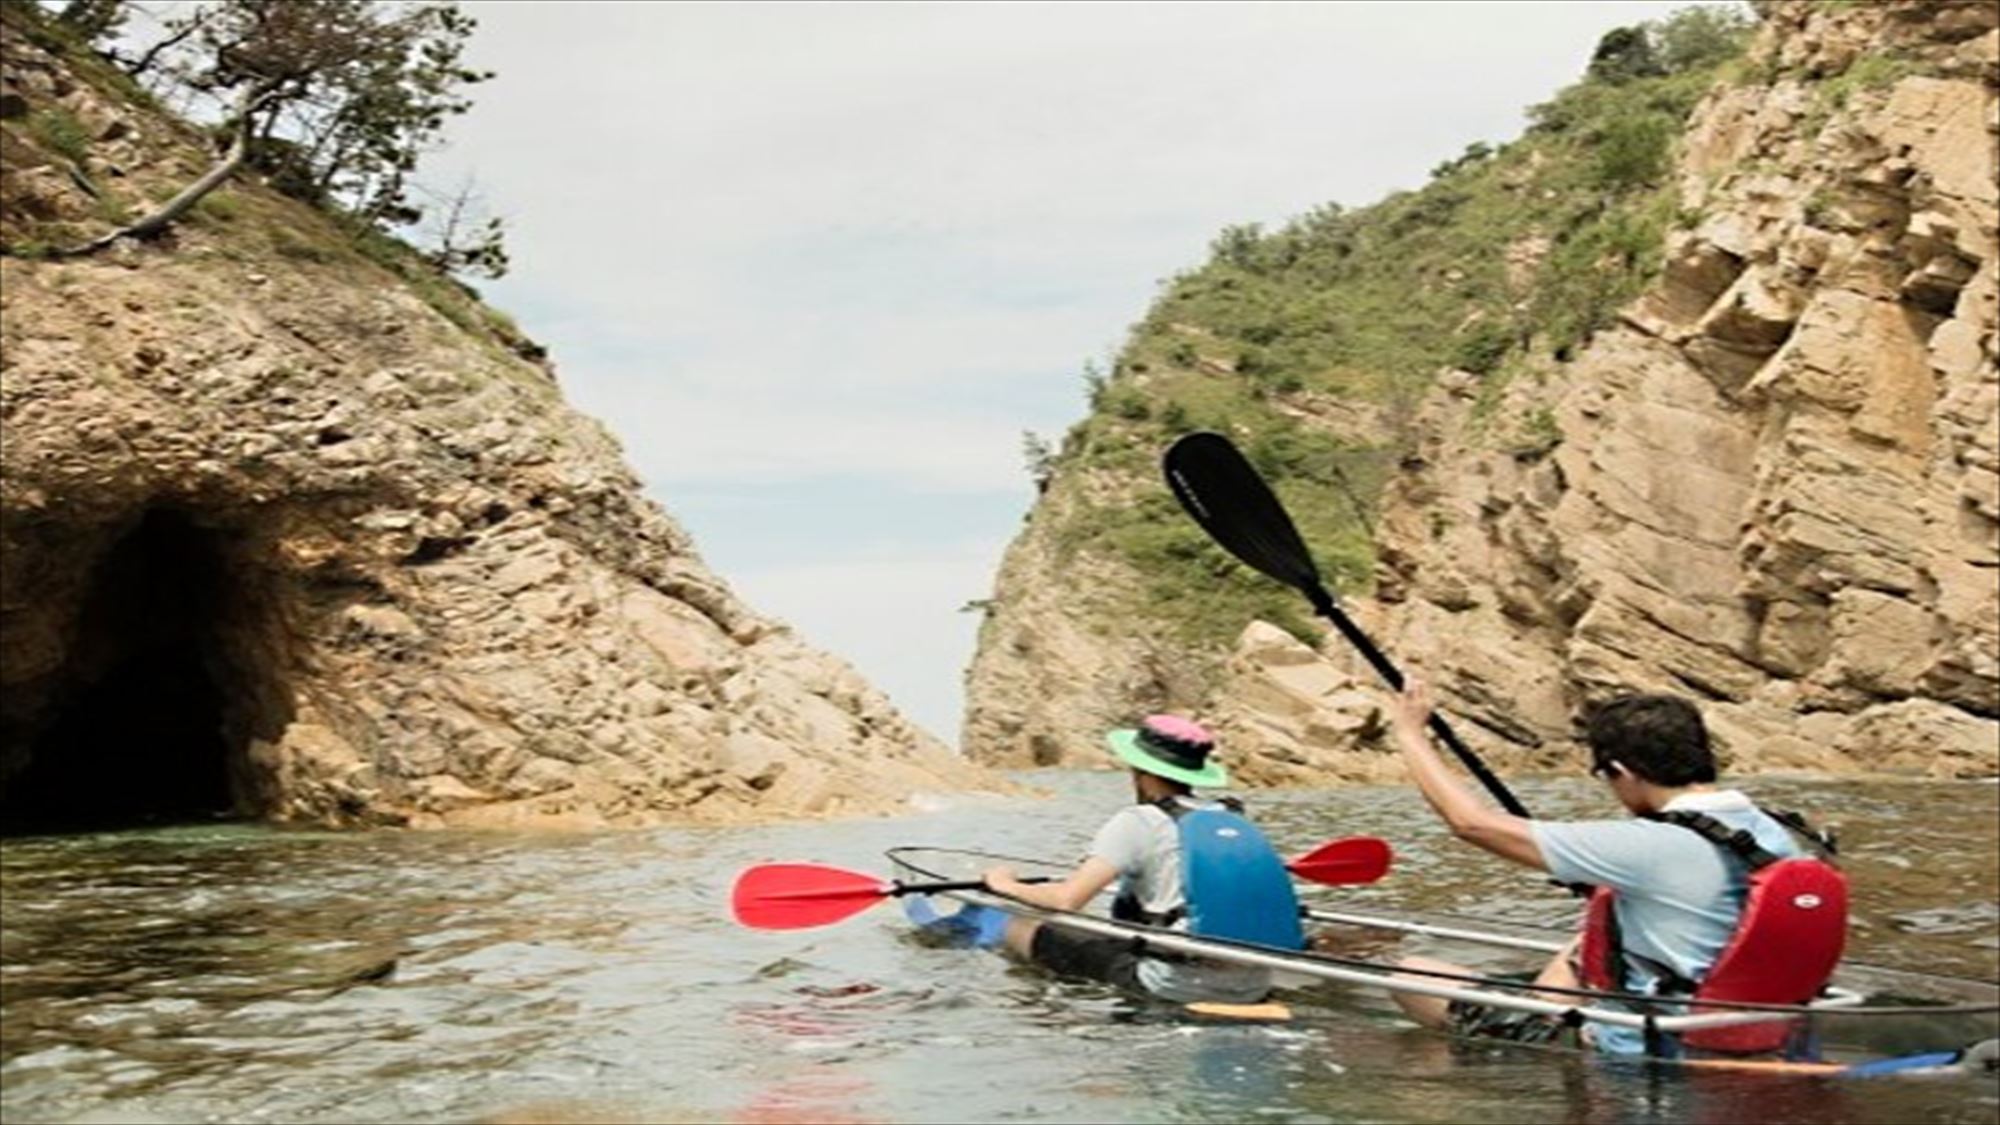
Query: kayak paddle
[
  {"x": 798, "y": 896},
  {"x": 1222, "y": 491},
  {"x": 1345, "y": 862}
]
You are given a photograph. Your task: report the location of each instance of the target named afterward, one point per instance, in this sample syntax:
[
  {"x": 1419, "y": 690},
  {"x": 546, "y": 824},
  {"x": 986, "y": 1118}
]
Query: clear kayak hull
[{"x": 976, "y": 919}]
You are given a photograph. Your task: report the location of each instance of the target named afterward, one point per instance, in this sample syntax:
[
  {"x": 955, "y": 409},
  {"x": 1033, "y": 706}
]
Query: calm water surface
[{"x": 247, "y": 974}]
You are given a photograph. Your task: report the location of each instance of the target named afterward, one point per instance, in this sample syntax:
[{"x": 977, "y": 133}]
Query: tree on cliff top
[
  {"x": 1689, "y": 39},
  {"x": 334, "y": 100}
]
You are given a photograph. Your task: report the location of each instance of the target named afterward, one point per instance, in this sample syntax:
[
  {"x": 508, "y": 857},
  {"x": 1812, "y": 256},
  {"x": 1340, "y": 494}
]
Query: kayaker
[
  {"x": 1678, "y": 895},
  {"x": 1141, "y": 847}
]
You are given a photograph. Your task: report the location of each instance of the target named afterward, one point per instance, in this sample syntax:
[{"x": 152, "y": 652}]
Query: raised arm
[{"x": 1469, "y": 818}]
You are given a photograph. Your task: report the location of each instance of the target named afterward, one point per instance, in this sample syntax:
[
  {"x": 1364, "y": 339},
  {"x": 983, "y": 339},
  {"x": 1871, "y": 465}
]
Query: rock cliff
[
  {"x": 1772, "y": 485},
  {"x": 1769, "y": 483},
  {"x": 294, "y": 527}
]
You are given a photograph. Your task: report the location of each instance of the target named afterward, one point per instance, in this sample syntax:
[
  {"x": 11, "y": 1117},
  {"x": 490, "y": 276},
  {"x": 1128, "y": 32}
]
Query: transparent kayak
[{"x": 1969, "y": 1008}]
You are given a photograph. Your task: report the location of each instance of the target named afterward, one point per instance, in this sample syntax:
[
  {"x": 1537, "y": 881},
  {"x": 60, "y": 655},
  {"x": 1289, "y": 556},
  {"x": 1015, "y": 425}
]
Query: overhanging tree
[{"x": 335, "y": 100}]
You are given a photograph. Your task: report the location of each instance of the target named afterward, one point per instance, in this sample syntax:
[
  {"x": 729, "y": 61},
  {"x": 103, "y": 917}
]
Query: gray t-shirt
[
  {"x": 1144, "y": 844},
  {"x": 1679, "y": 896}
]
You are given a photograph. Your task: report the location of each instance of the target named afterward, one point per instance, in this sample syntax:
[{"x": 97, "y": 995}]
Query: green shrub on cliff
[
  {"x": 1512, "y": 255},
  {"x": 1634, "y": 151},
  {"x": 58, "y": 130}
]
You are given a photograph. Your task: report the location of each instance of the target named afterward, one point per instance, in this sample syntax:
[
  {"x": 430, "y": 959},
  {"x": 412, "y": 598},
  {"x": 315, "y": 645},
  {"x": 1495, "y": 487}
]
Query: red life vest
[{"x": 1783, "y": 951}]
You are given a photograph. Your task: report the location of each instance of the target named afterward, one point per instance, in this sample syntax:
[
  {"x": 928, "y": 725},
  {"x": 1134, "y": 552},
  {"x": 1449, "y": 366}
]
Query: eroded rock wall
[
  {"x": 1772, "y": 486},
  {"x": 1049, "y": 675},
  {"x": 443, "y": 596}
]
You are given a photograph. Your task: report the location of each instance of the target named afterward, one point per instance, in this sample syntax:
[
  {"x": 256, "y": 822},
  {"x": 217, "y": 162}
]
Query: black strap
[
  {"x": 1820, "y": 840},
  {"x": 1739, "y": 842},
  {"x": 1172, "y": 805},
  {"x": 1657, "y": 1040}
]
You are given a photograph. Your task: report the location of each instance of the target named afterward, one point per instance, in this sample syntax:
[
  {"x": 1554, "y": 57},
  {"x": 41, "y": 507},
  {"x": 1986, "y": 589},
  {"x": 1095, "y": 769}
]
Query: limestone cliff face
[
  {"x": 1064, "y": 653},
  {"x": 1048, "y": 677},
  {"x": 286, "y": 533},
  {"x": 1771, "y": 485}
]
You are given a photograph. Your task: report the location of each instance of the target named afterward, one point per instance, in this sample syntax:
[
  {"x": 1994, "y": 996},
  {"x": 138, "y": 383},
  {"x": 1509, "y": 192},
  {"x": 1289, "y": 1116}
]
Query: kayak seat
[{"x": 1236, "y": 884}]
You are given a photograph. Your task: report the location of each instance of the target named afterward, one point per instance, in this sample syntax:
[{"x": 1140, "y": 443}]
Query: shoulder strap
[
  {"x": 1739, "y": 842},
  {"x": 1172, "y": 806},
  {"x": 1820, "y": 840},
  {"x": 1126, "y": 908}
]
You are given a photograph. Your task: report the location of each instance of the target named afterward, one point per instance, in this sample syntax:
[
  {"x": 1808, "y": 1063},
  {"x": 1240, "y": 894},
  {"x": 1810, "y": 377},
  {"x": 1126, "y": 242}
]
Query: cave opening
[{"x": 138, "y": 730}]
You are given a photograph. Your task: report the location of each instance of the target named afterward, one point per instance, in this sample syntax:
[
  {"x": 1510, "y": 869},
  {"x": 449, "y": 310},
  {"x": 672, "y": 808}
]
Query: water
[{"x": 247, "y": 974}]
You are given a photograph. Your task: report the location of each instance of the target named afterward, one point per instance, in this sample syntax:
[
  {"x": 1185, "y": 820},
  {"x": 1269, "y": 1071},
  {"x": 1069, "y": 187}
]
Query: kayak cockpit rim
[
  {"x": 1388, "y": 977},
  {"x": 1605, "y": 1007}
]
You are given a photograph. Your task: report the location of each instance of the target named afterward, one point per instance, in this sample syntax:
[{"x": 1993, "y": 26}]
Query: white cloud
[
  {"x": 755, "y": 434},
  {"x": 841, "y": 252},
  {"x": 891, "y": 612}
]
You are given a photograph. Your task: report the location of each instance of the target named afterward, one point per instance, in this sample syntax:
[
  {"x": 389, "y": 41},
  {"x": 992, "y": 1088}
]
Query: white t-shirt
[{"x": 1144, "y": 844}]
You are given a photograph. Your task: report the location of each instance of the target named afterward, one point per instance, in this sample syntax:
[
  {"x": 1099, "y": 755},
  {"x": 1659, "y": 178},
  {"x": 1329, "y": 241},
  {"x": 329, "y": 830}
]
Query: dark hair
[
  {"x": 1660, "y": 738},
  {"x": 1180, "y": 788}
]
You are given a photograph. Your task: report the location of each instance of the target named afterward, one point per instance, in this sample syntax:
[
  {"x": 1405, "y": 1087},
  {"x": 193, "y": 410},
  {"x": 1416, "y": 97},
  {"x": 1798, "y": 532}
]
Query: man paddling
[
  {"x": 1243, "y": 891},
  {"x": 1679, "y": 896}
]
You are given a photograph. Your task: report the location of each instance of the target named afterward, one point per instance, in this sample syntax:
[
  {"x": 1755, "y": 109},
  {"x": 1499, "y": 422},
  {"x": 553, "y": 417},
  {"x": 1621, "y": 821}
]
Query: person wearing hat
[{"x": 1139, "y": 847}]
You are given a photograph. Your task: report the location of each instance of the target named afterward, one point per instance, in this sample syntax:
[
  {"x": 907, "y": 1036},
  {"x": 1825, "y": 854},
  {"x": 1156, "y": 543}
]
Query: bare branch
[
  {"x": 180, "y": 34},
  {"x": 156, "y": 223}
]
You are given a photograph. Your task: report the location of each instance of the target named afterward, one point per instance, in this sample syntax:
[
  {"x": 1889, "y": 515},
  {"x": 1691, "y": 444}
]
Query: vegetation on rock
[
  {"x": 332, "y": 102},
  {"x": 1311, "y": 343}
]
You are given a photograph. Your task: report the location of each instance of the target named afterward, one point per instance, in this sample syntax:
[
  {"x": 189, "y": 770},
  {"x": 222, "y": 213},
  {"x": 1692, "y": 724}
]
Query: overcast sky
[{"x": 819, "y": 265}]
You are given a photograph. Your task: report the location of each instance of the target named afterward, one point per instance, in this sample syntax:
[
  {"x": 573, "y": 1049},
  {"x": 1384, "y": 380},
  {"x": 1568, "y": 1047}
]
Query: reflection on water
[{"x": 250, "y": 974}]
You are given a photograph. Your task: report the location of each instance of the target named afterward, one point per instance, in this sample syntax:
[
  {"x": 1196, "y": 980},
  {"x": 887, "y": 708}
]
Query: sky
[{"x": 819, "y": 266}]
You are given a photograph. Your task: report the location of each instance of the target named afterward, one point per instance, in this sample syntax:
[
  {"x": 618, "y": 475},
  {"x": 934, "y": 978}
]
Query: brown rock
[
  {"x": 412, "y": 584},
  {"x": 1881, "y": 644},
  {"x": 1923, "y": 737},
  {"x": 1775, "y": 487}
]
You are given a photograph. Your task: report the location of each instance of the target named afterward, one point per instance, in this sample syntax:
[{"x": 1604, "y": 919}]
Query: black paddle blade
[{"x": 1224, "y": 494}]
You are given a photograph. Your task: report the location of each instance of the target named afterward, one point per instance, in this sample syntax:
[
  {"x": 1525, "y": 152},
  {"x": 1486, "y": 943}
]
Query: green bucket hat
[{"x": 1173, "y": 748}]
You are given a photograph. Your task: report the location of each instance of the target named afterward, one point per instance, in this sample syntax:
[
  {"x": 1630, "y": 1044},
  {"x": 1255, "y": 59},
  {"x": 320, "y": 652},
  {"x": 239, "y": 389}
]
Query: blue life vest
[{"x": 1233, "y": 883}]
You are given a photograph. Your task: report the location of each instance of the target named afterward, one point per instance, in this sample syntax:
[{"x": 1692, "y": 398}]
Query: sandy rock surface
[{"x": 433, "y": 592}]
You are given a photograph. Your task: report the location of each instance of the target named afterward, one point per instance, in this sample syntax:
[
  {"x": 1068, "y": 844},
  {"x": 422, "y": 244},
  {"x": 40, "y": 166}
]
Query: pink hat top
[{"x": 1179, "y": 729}]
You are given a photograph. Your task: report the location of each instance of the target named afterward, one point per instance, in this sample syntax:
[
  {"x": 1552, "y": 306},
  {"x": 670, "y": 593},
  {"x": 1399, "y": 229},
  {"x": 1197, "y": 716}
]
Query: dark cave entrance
[{"x": 138, "y": 731}]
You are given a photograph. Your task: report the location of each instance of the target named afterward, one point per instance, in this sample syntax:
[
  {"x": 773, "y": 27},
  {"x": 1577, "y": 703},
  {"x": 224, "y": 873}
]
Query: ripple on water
[
  {"x": 1970, "y": 917},
  {"x": 238, "y": 974}
]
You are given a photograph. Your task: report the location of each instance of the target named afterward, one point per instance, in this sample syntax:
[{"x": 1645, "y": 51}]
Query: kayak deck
[{"x": 1294, "y": 969}]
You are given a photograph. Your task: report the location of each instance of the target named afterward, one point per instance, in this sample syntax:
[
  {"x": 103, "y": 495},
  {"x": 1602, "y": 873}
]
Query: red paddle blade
[
  {"x": 797, "y": 896},
  {"x": 1356, "y": 859}
]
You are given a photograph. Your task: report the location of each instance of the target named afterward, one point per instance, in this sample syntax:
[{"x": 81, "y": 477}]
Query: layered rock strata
[
  {"x": 286, "y": 536},
  {"x": 1770, "y": 487}
]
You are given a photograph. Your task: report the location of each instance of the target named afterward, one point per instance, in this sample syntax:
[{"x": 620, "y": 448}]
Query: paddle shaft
[
  {"x": 960, "y": 885},
  {"x": 1225, "y": 494},
  {"x": 1323, "y": 603}
]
